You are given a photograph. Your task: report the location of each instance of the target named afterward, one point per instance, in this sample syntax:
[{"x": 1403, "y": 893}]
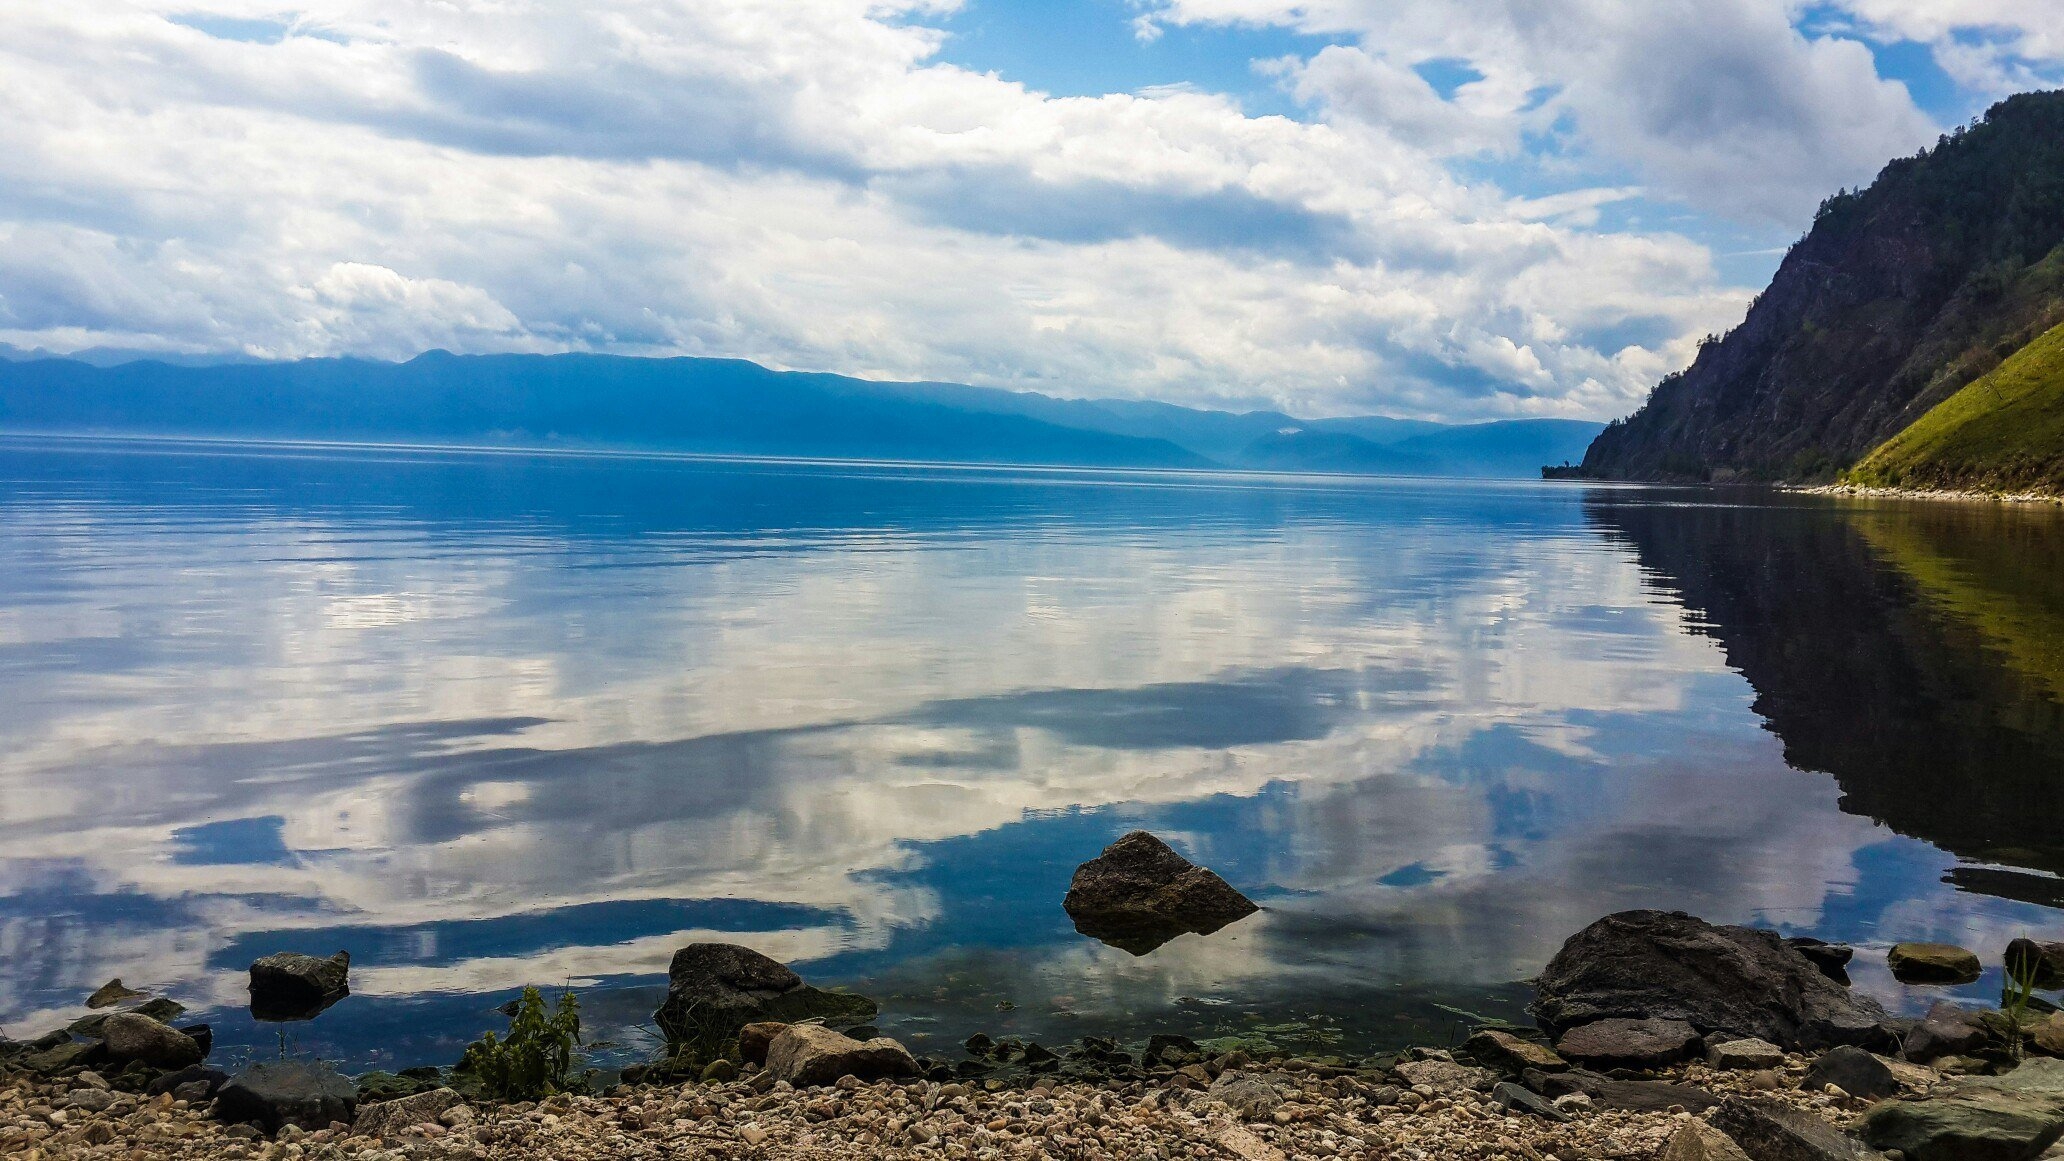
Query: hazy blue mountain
[{"x": 726, "y": 406}]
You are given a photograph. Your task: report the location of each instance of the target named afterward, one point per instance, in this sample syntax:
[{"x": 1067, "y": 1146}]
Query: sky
[{"x": 1446, "y": 209}]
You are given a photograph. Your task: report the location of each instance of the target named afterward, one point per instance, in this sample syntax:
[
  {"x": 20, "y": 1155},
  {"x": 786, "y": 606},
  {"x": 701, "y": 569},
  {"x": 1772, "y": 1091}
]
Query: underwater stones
[
  {"x": 1672, "y": 966},
  {"x": 1139, "y": 894},
  {"x": 289, "y": 986},
  {"x": 715, "y": 989},
  {"x": 1933, "y": 963}
]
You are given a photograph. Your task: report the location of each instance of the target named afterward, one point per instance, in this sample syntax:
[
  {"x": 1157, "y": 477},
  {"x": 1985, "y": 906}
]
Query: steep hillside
[
  {"x": 1899, "y": 296},
  {"x": 2004, "y": 432}
]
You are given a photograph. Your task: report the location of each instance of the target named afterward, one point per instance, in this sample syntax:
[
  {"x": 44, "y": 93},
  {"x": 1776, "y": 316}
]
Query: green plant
[
  {"x": 2022, "y": 973},
  {"x": 535, "y": 1060}
]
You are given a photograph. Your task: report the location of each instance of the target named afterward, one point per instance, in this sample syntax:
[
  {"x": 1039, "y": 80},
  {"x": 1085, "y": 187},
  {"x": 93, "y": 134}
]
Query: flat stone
[
  {"x": 1769, "y": 1131},
  {"x": 1515, "y": 1098},
  {"x": 1139, "y": 894},
  {"x": 389, "y": 1118},
  {"x": 1698, "y": 1141},
  {"x": 1854, "y": 1071},
  {"x": 1246, "y": 1094},
  {"x": 1933, "y": 963},
  {"x": 1623, "y": 1043},
  {"x": 1512, "y": 1055},
  {"x": 2013, "y": 1117},
  {"x": 288, "y": 1092},
  {"x": 811, "y": 1054},
  {"x": 1744, "y": 1055},
  {"x": 131, "y": 1036},
  {"x": 1444, "y": 1076}
]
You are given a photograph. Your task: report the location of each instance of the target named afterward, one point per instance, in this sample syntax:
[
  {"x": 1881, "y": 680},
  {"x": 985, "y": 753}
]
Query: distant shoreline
[{"x": 1965, "y": 496}]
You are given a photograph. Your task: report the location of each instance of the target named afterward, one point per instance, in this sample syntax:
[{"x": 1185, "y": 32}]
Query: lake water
[{"x": 489, "y": 720}]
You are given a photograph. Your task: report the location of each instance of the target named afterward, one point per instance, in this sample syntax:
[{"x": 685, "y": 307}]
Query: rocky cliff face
[{"x": 1900, "y": 295}]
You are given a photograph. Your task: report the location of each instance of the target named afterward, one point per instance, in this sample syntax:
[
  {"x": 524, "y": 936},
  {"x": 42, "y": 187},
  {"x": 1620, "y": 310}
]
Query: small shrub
[{"x": 535, "y": 1060}]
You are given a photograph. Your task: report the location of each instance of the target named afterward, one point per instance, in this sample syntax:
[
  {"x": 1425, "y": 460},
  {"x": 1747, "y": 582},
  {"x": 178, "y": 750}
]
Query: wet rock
[
  {"x": 1139, "y": 894},
  {"x": 1170, "y": 1051},
  {"x": 1769, "y": 1131},
  {"x": 389, "y": 1118},
  {"x": 287, "y": 1092},
  {"x": 1510, "y": 1054},
  {"x": 211, "y": 1080},
  {"x": 288, "y": 986},
  {"x": 1669, "y": 965},
  {"x": 130, "y": 1036},
  {"x": 2003, "y": 1118},
  {"x": 1744, "y": 1055},
  {"x": 1947, "y": 1030},
  {"x": 1854, "y": 1071},
  {"x": 716, "y": 989},
  {"x": 1831, "y": 958},
  {"x": 1516, "y": 1099},
  {"x": 1621, "y": 1043},
  {"x": 754, "y": 1038},
  {"x": 1933, "y": 963},
  {"x": 111, "y": 993},
  {"x": 2043, "y": 961},
  {"x": 1246, "y": 1094},
  {"x": 811, "y": 1054},
  {"x": 1699, "y": 1141}
]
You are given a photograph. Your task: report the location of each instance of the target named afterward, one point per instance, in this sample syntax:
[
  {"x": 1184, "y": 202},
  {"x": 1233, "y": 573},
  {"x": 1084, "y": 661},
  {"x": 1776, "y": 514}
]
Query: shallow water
[{"x": 489, "y": 720}]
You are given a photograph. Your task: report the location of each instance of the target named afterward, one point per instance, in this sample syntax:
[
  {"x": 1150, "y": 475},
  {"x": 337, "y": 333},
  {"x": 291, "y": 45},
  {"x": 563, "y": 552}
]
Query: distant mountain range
[{"x": 730, "y": 407}]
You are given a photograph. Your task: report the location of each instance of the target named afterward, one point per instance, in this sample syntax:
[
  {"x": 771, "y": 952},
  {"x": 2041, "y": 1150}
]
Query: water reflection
[{"x": 488, "y": 721}]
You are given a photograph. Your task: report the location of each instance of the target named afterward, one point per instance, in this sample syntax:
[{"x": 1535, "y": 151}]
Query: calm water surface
[{"x": 494, "y": 720}]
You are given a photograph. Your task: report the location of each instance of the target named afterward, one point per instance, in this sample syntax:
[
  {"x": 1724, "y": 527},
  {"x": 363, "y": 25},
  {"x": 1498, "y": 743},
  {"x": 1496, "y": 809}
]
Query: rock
[
  {"x": 716, "y": 989},
  {"x": 1444, "y": 1076},
  {"x": 1510, "y": 1054},
  {"x": 130, "y": 1036},
  {"x": 2002, "y": 1118},
  {"x": 389, "y": 1118},
  {"x": 2044, "y": 961},
  {"x": 162, "y": 1010},
  {"x": 1669, "y": 965},
  {"x": 1171, "y": 1051},
  {"x": 754, "y": 1038},
  {"x": 1831, "y": 958},
  {"x": 211, "y": 1079},
  {"x": 1245, "y": 1145},
  {"x": 719, "y": 1071},
  {"x": 1640, "y": 1096},
  {"x": 1947, "y": 1030},
  {"x": 201, "y": 1034},
  {"x": 111, "y": 993},
  {"x": 1139, "y": 894},
  {"x": 1933, "y": 963},
  {"x": 288, "y": 986},
  {"x": 1246, "y": 1094},
  {"x": 1514, "y": 1098},
  {"x": 2048, "y": 1036},
  {"x": 288, "y": 1092},
  {"x": 811, "y": 1054},
  {"x": 1769, "y": 1131},
  {"x": 65, "y": 1054},
  {"x": 1622, "y": 1043},
  {"x": 1745, "y": 1055},
  {"x": 1854, "y": 1071},
  {"x": 1699, "y": 1141}
]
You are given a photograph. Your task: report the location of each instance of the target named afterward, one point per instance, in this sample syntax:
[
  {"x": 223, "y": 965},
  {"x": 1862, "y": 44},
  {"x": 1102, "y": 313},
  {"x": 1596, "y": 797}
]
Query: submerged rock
[
  {"x": 287, "y": 1092},
  {"x": 2003, "y": 1118},
  {"x": 1671, "y": 966},
  {"x": 289, "y": 986},
  {"x": 716, "y": 989},
  {"x": 811, "y": 1054},
  {"x": 1140, "y": 893},
  {"x": 1933, "y": 963}
]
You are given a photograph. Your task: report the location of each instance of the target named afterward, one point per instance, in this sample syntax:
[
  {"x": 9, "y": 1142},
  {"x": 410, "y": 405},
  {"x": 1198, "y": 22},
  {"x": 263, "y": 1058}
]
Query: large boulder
[
  {"x": 1139, "y": 894},
  {"x": 1620, "y": 1043},
  {"x": 1933, "y": 963},
  {"x": 130, "y": 1036},
  {"x": 289, "y": 986},
  {"x": 716, "y": 989},
  {"x": 811, "y": 1054},
  {"x": 2000, "y": 1118},
  {"x": 1735, "y": 980},
  {"x": 287, "y": 1092}
]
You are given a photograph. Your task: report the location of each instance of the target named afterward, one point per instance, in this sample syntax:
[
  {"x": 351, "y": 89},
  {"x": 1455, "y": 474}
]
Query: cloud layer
[{"x": 814, "y": 184}]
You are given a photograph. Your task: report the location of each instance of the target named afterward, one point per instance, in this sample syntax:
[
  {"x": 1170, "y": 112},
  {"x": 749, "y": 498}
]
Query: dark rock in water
[
  {"x": 2043, "y": 961},
  {"x": 1852, "y": 1070},
  {"x": 811, "y": 1054},
  {"x": 1171, "y": 1052},
  {"x": 1671, "y": 966},
  {"x": 715, "y": 989},
  {"x": 1947, "y": 1030},
  {"x": 201, "y": 1034},
  {"x": 1513, "y": 1098},
  {"x": 1511, "y": 1055},
  {"x": 1933, "y": 963},
  {"x": 1831, "y": 958},
  {"x": 212, "y": 1078},
  {"x": 2001, "y": 1118},
  {"x": 287, "y": 1092},
  {"x": 288, "y": 986},
  {"x": 162, "y": 1010},
  {"x": 1646, "y": 1044},
  {"x": 111, "y": 993},
  {"x": 1139, "y": 894},
  {"x": 130, "y": 1036},
  {"x": 1769, "y": 1131}
]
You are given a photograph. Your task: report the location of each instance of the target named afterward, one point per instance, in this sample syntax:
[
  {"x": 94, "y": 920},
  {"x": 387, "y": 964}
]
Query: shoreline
[{"x": 1936, "y": 495}]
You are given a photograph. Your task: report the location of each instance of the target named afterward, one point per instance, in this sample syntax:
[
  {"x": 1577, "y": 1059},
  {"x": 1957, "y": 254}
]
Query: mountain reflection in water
[{"x": 494, "y": 720}]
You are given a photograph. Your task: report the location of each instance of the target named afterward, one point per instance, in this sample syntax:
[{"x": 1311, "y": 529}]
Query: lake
[{"x": 490, "y": 719}]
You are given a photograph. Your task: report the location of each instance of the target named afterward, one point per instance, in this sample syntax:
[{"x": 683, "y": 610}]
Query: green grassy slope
[{"x": 2002, "y": 432}]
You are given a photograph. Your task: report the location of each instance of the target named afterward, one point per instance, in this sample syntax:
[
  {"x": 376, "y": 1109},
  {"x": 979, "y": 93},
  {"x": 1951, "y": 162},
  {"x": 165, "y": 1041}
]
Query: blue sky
[{"x": 1454, "y": 209}]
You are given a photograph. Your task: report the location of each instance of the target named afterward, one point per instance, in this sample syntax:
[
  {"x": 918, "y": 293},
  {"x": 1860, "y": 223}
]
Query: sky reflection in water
[{"x": 492, "y": 720}]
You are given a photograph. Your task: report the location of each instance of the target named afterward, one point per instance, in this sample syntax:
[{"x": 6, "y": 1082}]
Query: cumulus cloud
[{"x": 813, "y": 185}]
